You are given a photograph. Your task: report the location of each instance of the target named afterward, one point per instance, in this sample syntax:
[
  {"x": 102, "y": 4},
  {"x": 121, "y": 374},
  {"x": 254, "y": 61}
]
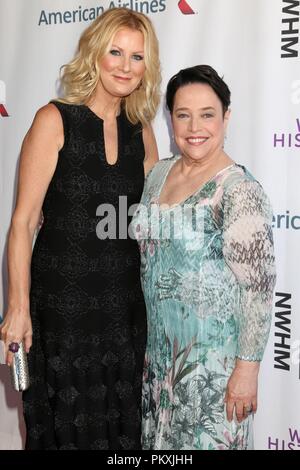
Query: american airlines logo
[
  {"x": 3, "y": 110},
  {"x": 185, "y": 7}
]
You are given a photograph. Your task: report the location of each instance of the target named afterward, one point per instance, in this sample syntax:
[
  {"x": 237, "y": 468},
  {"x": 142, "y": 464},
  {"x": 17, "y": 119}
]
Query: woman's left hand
[{"x": 241, "y": 392}]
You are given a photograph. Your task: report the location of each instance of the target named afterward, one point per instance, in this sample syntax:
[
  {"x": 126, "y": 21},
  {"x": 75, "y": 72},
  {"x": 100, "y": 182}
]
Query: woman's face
[
  {"x": 198, "y": 122},
  {"x": 123, "y": 67}
]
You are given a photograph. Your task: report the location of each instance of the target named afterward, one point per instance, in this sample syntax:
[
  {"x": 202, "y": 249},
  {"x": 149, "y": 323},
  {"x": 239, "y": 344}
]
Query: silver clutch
[{"x": 19, "y": 370}]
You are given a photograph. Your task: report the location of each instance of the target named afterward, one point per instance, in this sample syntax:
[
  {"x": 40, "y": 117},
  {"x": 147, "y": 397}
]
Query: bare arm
[
  {"x": 151, "y": 152},
  {"x": 39, "y": 156}
]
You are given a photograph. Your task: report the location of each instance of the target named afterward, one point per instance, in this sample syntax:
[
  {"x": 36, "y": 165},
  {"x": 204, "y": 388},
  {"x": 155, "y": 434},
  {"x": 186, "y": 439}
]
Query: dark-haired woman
[{"x": 204, "y": 230}]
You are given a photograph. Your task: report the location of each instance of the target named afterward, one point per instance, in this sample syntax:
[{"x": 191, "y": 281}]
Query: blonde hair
[{"x": 79, "y": 78}]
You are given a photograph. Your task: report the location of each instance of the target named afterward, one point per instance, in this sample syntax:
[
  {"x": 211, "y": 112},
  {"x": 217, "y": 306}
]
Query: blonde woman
[{"x": 76, "y": 302}]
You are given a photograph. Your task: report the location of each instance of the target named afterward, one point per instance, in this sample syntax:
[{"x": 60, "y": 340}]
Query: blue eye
[
  {"x": 114, "y": 52},
  {"x": 138, "y": 57}
]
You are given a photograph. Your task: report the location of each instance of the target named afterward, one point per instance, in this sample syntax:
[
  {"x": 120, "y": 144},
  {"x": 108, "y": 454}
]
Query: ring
[
  {"x": 248, "y": 409},
  {"x": 13, "y": 347}
]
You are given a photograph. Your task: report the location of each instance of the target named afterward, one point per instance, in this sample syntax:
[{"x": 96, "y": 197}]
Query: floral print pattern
[{"x": 208, "y": 294}]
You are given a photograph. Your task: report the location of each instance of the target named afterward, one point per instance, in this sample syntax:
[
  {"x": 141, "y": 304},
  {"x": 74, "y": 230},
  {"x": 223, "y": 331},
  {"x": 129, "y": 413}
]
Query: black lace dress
[{"x": 87, "y": 308}]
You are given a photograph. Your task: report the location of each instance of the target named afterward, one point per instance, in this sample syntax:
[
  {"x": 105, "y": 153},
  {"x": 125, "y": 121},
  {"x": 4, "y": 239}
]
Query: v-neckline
[
  {"x": 173, "y": 206},
  {"x": 118, "y": 117}
]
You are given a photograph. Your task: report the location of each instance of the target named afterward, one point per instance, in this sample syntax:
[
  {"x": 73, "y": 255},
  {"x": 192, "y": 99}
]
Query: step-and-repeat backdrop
[{"x": 255, "y": 45}]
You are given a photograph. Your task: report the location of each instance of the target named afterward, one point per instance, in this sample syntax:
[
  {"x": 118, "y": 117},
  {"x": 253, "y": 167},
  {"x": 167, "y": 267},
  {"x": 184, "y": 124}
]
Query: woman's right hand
[
  {"x": 38, "y": 161},
  {"x": 16, "y": 327}
]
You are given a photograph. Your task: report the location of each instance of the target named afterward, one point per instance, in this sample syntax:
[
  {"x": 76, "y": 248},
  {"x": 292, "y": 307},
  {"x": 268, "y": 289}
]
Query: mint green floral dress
[{"x": 207, "y": 270}]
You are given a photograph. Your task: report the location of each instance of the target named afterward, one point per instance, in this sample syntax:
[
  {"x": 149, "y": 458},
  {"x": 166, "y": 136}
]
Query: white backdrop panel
[{"x": 242, "y": 41}]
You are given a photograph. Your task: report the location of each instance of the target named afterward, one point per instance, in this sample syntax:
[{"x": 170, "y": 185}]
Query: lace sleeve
[{"x": 248, "y": 251}]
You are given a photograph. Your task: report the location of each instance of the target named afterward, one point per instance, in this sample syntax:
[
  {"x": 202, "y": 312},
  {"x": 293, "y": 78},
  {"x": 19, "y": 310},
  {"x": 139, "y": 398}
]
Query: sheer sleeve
[{"x": 248, "y": 251}]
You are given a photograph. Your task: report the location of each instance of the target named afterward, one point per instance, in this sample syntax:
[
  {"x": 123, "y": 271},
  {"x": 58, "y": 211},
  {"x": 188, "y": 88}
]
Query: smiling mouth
[
  {"x": 122, "y": 79},
  {"x": 196, "y": 140}
]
